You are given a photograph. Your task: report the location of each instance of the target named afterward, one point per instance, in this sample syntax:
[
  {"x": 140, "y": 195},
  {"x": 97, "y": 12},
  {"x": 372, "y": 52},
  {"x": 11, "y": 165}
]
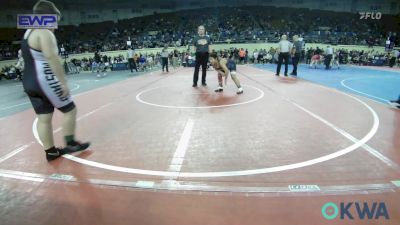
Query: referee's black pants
[
  {"x": 328, "y": 60},
  {"x": 283, "y": 56},
  {"x": 201, "y": 60},
  {"x": 295, "y": 61},
  {"x": 164, "y": 63},
  {"x": 392, "y": 61}
]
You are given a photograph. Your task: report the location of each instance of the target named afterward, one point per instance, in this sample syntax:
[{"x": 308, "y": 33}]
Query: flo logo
[
  {"x": 370, "y": 15},
  {"x": 354, "y": 210}
]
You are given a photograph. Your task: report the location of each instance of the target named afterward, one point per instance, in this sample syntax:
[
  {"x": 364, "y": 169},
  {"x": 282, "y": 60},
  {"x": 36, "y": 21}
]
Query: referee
[
  {"x": 328, "y": 57},
  {"x": 130, "y": 53},
  {"x": 284, "y": 48},
  {"x": 202, "y": 48}
]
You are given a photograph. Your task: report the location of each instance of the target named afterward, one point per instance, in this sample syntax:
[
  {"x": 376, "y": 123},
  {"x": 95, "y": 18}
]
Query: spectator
[
  {"x": 164, "y": 59},
  {"x": 284, "y": 48},
  {"x": 129, "y": 55}
]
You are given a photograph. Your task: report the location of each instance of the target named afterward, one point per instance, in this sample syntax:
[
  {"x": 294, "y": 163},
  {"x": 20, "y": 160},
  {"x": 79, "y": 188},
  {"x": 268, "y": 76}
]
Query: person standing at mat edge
[
  {"x": 284, "y": 49},
  {"x": 164, "y": 58},
  {"x": 45, "y": 84},
  {"x": 132, "y": 64},
  {"x": 296, "y": 53},
  {"x": 202, "y": 47},
  {"x": 328, "y": 57}
]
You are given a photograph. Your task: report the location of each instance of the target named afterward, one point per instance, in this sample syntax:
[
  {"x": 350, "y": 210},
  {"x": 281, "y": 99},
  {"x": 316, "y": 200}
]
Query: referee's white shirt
[
  {"x": 130, "y": 53},
  {"x": 164, "y": 54},
  {"x": 285, "y": 46},
  {"x": 329, "y": 51}
]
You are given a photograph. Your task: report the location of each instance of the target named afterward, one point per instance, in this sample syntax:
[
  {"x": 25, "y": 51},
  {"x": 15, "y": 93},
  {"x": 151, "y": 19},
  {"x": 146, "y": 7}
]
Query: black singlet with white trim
[{"x": 40, "y": 82}]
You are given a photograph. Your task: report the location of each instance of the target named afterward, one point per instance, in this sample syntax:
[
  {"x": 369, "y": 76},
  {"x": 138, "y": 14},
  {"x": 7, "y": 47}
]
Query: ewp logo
[
  {"x": 372, "y": 15},
  {"x": 330, "y": 211},
  {"x": 35, "y": 21}
]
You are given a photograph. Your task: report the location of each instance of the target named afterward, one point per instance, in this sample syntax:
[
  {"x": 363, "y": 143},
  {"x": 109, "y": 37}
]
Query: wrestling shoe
[
  {"x": 75, "y": 146},
  {"x": 219, "y": 89}
]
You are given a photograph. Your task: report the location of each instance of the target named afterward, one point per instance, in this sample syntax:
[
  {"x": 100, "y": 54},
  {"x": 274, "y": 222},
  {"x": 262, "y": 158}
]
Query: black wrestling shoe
[
  {"x": 75, "y": 147},
  {"x": 53, "y": 153}
]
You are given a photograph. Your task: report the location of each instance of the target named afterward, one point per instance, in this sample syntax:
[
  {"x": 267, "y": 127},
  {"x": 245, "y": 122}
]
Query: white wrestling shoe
[{"x": 219, "y": 89}]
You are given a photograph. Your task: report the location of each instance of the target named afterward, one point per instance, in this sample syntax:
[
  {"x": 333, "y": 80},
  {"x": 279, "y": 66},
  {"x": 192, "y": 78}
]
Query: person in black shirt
[
  {"x": 97, "y": 57},
  {"x": 296, "y": 53},
  {"x": 202, "y": 48},
  {"x": 100, "y": 65},
  {"x": 164, "y": 58}
]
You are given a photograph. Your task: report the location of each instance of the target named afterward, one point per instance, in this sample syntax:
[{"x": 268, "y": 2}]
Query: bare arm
[{"x": 293, "y": 51}]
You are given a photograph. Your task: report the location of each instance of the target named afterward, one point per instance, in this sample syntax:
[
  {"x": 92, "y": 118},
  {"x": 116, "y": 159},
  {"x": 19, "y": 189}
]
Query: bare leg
[
  {"x": 235, "y": 79},
  {"x": 219, "y": 88},
  {"x": 45, "y": 130},
  {"x": 69, "y": 122}
]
